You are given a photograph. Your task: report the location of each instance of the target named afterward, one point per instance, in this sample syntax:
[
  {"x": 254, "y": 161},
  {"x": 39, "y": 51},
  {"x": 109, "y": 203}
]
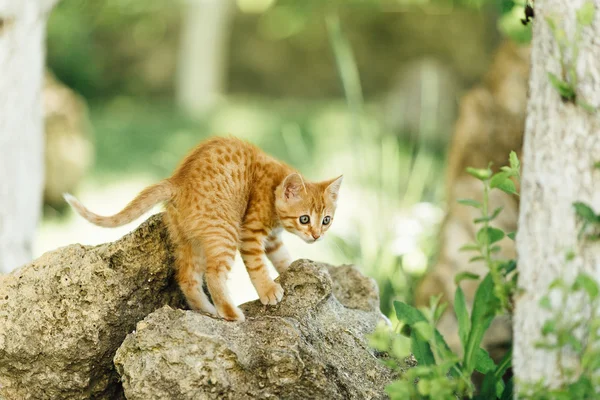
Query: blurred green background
[{"x": 365, "y": 88}]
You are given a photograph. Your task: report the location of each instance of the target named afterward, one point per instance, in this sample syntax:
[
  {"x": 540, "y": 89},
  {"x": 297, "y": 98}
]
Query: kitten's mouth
[{"x": 311, "y": 240}]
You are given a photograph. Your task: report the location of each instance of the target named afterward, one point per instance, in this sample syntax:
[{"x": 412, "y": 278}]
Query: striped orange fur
[{"x": 228, "y": 195}]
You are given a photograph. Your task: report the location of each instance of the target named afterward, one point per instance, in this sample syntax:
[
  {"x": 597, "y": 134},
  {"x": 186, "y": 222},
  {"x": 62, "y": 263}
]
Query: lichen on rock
[{"x": 311, "y": 345}]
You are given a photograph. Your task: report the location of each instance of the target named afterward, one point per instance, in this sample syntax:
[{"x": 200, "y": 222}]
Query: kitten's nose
[{"x": 315, "y": 236}]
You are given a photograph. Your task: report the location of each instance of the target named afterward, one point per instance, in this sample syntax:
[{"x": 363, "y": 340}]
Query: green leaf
[
  {"x": 586, "y": 106},
  {"x": 461, "y": 276},
  {"x": 549, "y": 327},
  {"x": 421, "y": 350},
  {"x": 585, "y": 212},
  {"x": 443, "y": 348},
  {"x": 434, "y": 301},
  {"x": 512, "y": 235},
  {"x": 569, "y": 338},
  {"x": 551, "y": 24},
  {"x": 502, "y": 181},
  {"x": 485, "y": 306},
  {"x": 515, "y": 164},
  {"x": 499, "y": 388},
  {"x": 557, "y": 283},
  {"x": 508, "y": 186},
  {"x": 469, "y": 247},
  {"x": 582, "y": 388},
  {"x": 586, "y": 14},
  {"x": 483, "y": 362},
  {"x": 462, "y": 315},
  {"x": 588, "y": 284},
  {"x": 590, "y": 361},
  {"x": 497, "y": 178},
  {"x": 496, "y": 212},
  {"x": 493, "y": 386},
  {"x": 597, "y": 165},
  {"x": 545, "y": 303},
  {"x": 469, "y": 202},
  {"x": 379, "y": 341},
  {"x": 424, "y": 330},
  {"x": 408, "y": 314},
  {"x": 508, "y": 266},
  {"x": 493, "y": 235},
  {"x": 504, "y": 364},
  {"x": 480, "y": 173},
  {"x": 400, "y": 347},
  {"x": 563, "y": 88},
  {"x": 439, "y": 311},
  {"x": 476, "y": 258},
  {"x": 399, "y": 389},
  {"x": 572, "y": 75},
  {"x": 508, "y": 394},
  {"x": 508, "y": 171},
  {"x": 488, "y": 387},
  {"x": 424, "y": 387}
]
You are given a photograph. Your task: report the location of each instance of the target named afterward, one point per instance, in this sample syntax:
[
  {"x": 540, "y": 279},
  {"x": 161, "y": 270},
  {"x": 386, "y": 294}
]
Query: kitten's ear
[
  {"x": 333, "y": 187},
  {"x": 293, "y": 184}
]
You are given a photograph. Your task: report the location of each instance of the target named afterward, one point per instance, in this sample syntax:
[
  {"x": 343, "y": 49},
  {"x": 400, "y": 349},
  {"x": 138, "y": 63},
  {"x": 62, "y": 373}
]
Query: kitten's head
[{"x": 306, "y": 209}]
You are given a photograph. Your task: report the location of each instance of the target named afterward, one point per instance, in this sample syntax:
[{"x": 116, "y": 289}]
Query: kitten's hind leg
[
  {"x": 219, "y": 249},
  {"x": 190, "y": 271}
]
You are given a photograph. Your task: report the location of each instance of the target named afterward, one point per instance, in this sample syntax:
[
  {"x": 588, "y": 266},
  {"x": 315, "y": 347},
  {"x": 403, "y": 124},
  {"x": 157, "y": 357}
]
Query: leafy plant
[
  {"x": 589, "y": 218},
  {"x": 566, "y": 83},
  {"x": 487, "y": 236},
  {"x": 440, "y": 373},
  {"x": 579, "y": 338}
]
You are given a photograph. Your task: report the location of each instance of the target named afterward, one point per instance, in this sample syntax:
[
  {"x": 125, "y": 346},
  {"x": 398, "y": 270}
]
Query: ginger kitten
[{"x": 228, "y": 195}]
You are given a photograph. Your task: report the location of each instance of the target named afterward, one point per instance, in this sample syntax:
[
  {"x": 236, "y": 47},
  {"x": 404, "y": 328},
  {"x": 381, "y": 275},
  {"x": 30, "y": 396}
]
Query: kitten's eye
[
  {"x": 326, "y": 220},
  {"x": 304, "y": 219}
]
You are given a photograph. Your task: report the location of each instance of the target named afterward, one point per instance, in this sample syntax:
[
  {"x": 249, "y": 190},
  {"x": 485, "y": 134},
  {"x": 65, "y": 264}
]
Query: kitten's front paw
[
  {"x": 231, "y": 313},
  {"x": 209, "y": 308},
  {"x": 272, "y": 294}
]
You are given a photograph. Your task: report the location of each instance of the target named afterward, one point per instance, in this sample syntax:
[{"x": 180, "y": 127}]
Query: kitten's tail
[{"x": 144, "y": 201}]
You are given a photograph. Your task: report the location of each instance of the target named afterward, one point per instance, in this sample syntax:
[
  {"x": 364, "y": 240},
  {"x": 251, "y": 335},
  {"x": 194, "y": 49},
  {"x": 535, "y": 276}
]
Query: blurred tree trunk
[
  {"x": 22, "y": 54},
  {"x": 202, "y": 53},
  {"x": 562, "y": 143}
]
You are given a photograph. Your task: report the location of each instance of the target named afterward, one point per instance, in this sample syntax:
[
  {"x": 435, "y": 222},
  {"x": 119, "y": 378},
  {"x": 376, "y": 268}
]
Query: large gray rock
[
  {"x": 63, "y": 316},
  {"x": 311, "y": 345}
]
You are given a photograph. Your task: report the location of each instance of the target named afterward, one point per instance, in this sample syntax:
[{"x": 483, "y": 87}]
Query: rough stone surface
[
  {"x": 63, "y": 316},
  {"x": 311, "y": 345}
]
